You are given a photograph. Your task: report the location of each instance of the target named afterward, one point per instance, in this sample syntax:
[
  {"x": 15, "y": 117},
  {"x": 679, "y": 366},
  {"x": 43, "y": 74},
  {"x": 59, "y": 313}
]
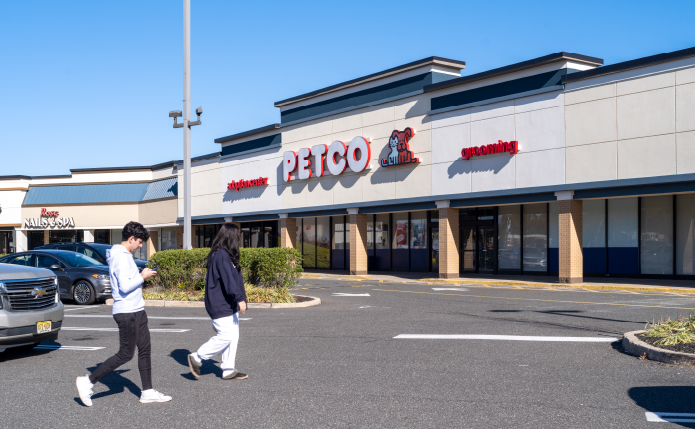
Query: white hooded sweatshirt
[{"x": 126, "y": 281}]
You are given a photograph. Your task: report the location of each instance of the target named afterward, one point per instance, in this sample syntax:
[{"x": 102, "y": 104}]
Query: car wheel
[{"x": 83, "y": 293}]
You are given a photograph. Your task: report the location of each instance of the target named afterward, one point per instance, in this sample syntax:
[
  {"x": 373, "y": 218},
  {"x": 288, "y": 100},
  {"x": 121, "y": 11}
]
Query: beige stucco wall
[{"x": 110, "y": 216}]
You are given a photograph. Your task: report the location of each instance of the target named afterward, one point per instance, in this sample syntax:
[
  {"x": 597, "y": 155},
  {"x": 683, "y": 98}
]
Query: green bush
[
  {"x": 179, "y": 269},
  {"x": 277, "y": 267},
  {"x": 185, "y": 269}
]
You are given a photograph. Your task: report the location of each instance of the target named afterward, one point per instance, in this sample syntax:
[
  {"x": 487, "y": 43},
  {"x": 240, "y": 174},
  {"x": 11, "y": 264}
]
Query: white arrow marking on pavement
[
  {"x": 70, "y": 328},
  {"x": 665, "y": 417},
  {"x": 149, "y": 317},
  {"x": 505, "y": 337},
  {"x": 460, "y": 289},
  {"x": 350, "y": 294},
  {"x": 59, "y": 347}
]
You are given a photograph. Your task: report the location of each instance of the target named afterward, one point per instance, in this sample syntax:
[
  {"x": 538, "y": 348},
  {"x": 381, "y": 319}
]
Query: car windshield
[{"x": 79, "y": 260}]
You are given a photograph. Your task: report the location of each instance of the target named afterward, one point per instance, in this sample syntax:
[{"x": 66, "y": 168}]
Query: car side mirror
[{"x": 56, "y": 267}]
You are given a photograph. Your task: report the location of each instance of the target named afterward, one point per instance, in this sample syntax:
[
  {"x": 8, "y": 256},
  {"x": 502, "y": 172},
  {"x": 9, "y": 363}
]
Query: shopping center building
[{"x": 555, "y": 166}]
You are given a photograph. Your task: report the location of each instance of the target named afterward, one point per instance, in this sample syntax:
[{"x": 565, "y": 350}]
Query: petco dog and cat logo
[{"x": 400, "y": 149}]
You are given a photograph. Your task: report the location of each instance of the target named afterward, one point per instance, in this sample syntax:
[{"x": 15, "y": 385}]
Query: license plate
[{"x": 42, "y": 327}]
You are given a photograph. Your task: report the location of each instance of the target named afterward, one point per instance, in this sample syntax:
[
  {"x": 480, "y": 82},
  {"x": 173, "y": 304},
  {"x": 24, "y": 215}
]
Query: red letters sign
[
  {"x": 45, "y": 213},
  {"x": 261, "y": 181},
  {"x": 500, "y": 147},
  {"x": 400, "y": 149}
]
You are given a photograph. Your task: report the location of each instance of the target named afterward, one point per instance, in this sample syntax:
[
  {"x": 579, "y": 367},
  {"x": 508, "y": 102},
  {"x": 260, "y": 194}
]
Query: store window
[
  {"x": 35, "y": 239},
  {"x": 419, "y": 250},
  {"x": 622, "y": 236},
  {"x": 308, "y": 241},
  {"x": 382, "y": 248},
  {"x": 65, "y": 236},
  {"x": 656, "y": 235},
  {"x": 168, "y": 239},
  {"x": 323, "y": 243},
  {"x": 594, "y": 236},
  {"x": 685, "y": 234},
  {"x": 102, "y": 236},
  {"x": 509, "y": 238},
  {"x": 338, "y": 243},
  {"x": 7, "y": 242},
  {"x": 400, "y": 243},
  {"x": 535, "y": 241},
  {"x": 553, "y": 237},
  {"x": 205, "y": 234}
]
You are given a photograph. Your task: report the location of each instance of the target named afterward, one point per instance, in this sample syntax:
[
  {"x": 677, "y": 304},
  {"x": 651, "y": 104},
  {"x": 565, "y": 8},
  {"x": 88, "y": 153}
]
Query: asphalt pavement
[{"x": 373, "y": 354}]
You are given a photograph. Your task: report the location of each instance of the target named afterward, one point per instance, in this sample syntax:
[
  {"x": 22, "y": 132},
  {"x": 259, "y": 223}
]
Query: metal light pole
[{"x": 187, "y": 124}]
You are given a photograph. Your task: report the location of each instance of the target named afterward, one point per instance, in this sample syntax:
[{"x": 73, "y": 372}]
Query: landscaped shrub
[
  {"x": 179, "y": 269},
  {"x": 277, "y": 267},
  {"x": 185, "y": 269}
]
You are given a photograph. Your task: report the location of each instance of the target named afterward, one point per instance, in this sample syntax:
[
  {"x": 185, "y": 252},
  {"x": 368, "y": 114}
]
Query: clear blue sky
[{"x": 90, "y": 83}]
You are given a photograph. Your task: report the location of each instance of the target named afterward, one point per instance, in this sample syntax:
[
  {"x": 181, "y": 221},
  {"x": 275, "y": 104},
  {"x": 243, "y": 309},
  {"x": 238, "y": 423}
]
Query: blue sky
[{"x": 90, "y": 83}]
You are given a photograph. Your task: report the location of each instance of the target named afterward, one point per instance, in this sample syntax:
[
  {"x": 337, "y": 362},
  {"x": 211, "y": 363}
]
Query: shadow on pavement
[
  {"x": 25, "y": 351},
  {"x": 667, "y": 399},
  {"x": 116, "y": 383},
  {"x": 209, "y": 367}
]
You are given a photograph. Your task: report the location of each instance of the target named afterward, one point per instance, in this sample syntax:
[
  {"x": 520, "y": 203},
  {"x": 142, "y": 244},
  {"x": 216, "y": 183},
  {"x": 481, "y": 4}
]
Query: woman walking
[{"x": 225, "y": 297}]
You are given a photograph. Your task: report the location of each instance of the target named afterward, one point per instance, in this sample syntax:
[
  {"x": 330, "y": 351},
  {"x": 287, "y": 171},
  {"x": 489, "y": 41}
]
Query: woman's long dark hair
[{"x": 228, "y": 240}]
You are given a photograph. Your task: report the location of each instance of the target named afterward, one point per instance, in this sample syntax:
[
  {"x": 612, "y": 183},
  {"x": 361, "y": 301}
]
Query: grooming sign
[{"x": 500, "y": 147}]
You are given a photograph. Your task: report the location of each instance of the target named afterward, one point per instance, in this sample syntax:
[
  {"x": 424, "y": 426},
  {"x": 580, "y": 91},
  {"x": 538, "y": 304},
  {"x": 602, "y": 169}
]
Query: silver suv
[{"x": 30, "y": 307}]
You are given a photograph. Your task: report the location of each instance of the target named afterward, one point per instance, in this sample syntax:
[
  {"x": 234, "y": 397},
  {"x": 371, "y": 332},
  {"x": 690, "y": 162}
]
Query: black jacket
[{"x": 224, "y": 286}]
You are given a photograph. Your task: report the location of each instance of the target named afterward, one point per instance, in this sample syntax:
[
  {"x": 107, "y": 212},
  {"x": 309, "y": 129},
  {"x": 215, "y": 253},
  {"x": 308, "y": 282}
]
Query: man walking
[{"x": 129, "y": 313}]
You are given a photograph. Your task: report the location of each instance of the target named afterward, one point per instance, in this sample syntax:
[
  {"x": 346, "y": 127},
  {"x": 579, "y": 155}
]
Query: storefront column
[
  {"x": 153, "y": 242},
  {"x": 89, "y": 236},
  {"x": 288, "y": 231},
  {"x": 448, "y": 240},
  {"x": 230, "y": 220},
  {"x": 570, "y": 238},
  {"x": 358, "y": 242},
  {"x": 46, "y": 236},
  {"x": 22, "y": 242}
]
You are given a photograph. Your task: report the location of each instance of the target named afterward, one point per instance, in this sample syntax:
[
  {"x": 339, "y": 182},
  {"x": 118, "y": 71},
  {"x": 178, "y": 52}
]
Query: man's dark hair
[{"x": 134, "y": 229}]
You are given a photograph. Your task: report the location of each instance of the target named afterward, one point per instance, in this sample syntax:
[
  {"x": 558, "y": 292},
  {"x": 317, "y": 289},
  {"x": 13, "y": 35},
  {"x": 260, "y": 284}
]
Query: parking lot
[{"x": 374, "y": 354}]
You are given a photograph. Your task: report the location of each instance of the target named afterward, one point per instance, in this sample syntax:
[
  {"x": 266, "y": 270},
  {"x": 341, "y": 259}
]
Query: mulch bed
[
  {"x": 682, "y": 348},
  {"x": 298, "y": 298}
]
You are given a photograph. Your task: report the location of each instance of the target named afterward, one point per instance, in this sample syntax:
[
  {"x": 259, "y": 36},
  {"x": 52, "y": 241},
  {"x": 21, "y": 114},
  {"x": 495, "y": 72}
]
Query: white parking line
[
  {"x": 76, "y": 308},
  {"x": 670, "y": 417},
  {"x": 149, "y": 317},
  {"x": 460, "y": 289},
  {"x": 71, "y": 328},
  {"x": 505, "y": 337},
  {"x": 350, "y": 294},
  {"x": 59, "y": 347}
]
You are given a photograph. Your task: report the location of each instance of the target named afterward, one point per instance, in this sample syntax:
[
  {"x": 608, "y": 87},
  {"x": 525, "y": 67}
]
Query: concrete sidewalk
[{"x": 665, "y": 285}]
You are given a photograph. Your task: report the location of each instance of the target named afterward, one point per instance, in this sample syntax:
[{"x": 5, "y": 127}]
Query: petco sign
[
  {"x": 400, "y": 149},
  {"x": 499, "y": 147},
  {"x": 337, "y": 157},
  {"x": 49, "y": 219}
]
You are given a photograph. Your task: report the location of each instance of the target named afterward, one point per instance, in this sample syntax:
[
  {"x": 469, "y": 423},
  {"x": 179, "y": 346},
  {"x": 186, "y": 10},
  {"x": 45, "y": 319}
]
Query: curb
[
  {"x": 637, "y": 347},
  {"x": 200, "y": 304}
]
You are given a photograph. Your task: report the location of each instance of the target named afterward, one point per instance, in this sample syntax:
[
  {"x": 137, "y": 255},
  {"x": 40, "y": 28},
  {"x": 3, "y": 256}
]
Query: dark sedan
[
  {"x": 93, "y": 250},
  {"x": 80, "y": 278}
]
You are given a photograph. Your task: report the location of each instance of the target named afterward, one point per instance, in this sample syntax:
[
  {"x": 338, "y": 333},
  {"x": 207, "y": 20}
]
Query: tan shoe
[
  {"x": 194, "y": 366},
  {"x": 235, "y": 375}
]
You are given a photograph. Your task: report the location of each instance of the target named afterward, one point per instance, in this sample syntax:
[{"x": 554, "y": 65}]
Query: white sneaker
[
  {"x": 152, "y": 395},
  {"x": 84, "y": 389}
]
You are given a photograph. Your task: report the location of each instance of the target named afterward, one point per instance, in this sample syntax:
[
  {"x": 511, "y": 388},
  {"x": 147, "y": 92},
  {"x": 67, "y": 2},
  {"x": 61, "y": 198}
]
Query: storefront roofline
[
  {"x": 163, "y": 165},
  {"x": 399, "y": 69},
  {"x": 590, "y": 190},
  {"x": 236, "y": 136},
  {"x": 629, "y": 65},
  {"x": 513, "y": 68}
]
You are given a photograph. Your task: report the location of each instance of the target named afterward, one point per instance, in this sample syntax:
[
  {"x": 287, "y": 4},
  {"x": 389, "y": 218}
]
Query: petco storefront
[{"x": 554, "y": 166}]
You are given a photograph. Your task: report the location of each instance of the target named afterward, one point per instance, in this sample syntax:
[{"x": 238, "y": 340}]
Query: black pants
[{"x": 132, "y": 331}]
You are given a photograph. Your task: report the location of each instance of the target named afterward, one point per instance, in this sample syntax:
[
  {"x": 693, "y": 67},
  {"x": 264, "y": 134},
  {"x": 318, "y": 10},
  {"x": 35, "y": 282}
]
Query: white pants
[{"x": 225, "y": 341}]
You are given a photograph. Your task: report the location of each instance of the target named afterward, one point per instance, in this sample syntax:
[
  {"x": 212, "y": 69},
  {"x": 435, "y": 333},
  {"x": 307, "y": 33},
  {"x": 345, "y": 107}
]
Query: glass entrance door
[
  {"x": 434, "y": 239},
  {"x": 468, "y": 262},
  {"x": 486, "y": 250}
]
